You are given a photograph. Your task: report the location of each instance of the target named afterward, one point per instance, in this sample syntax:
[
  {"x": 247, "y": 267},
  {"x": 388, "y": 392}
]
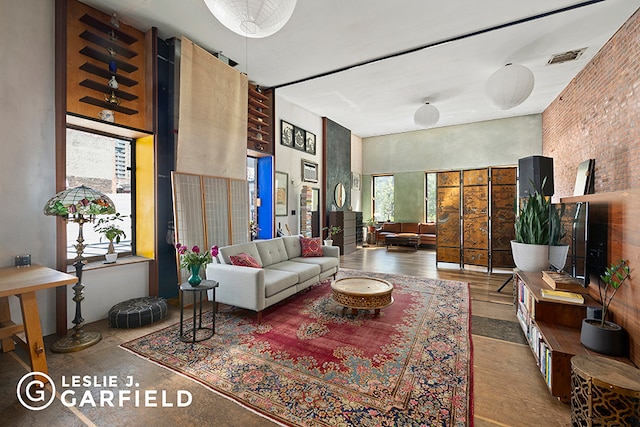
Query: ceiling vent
[{"x": 571, "y": 55}]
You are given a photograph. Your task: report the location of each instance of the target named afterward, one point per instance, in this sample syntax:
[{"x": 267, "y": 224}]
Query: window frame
[
  {"x": 63, "y": 242},
  {"x": 373, "y": 197}
]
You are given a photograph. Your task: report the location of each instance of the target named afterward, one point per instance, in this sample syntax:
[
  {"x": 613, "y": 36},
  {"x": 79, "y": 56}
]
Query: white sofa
[{"x": 284, "y": 272}]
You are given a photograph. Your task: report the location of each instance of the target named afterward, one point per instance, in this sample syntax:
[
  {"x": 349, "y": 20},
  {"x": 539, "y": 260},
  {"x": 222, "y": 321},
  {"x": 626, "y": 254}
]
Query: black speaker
[{"x": 532, "y": 171}]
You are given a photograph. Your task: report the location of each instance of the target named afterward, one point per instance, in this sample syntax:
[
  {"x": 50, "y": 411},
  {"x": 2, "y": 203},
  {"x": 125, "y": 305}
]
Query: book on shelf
[
  {"x": 561, "y": 281},
  {"x": 564, "y": 296}
]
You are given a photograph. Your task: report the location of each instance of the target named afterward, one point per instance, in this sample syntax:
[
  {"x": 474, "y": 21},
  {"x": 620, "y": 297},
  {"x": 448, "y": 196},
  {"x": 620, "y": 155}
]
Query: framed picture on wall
[
  {"x": 355, "y": 180},
  {"x": 282, "y": 188},
  {"x": 309, "y": 171},
  {"x": 310, "y": 144},
  {"x": 298, "y": 138},
  {"x": 286, "y": 133}
]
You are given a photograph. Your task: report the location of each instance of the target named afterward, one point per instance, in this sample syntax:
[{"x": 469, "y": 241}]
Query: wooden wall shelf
[
  {"x": 96, "y": 39},
  {"x": 102, "y": 88},
  {"x": 101, "y": 72},
  {"x": 108, "y": 29},
  {"x": 107, "y": 105},
  {"x": 107, "y": 58},
  {"x": 94, "y": 46},
  {"x": 260, "y": 120}
]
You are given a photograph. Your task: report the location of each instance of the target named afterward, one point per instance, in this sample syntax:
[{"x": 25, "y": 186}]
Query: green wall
[{"x": 409, "y": 196}]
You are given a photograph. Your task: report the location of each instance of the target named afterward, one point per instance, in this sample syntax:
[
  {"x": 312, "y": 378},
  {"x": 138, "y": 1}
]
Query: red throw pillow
[
  {"x": 244, "y": 260},
  {"x": 311, "y": 246}
]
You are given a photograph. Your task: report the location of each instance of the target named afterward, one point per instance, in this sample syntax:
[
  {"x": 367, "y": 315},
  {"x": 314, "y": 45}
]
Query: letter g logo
[{"x": 32, "y": 394}]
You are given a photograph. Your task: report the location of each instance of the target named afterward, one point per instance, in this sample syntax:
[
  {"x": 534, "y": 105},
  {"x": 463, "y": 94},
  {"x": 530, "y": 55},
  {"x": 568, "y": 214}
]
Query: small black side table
[{"x": 198, "y": 292}]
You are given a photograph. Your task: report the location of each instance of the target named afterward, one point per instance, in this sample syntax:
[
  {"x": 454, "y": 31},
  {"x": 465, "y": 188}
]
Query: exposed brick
[{"x": 596, "y": 117}]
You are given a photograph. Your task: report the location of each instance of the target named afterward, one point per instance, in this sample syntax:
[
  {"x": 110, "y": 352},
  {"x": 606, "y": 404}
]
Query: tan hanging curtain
[{"x": 212, "y": 121}]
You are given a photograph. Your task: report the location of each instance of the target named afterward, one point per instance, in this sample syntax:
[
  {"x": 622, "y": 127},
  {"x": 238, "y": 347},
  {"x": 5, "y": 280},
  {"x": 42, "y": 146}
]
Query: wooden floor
[{"x": 508, "y": 387}]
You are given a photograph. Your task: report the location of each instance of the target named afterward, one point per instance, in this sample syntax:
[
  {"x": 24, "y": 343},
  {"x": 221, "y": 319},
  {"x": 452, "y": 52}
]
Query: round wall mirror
[{"x": 340, "y": 195}]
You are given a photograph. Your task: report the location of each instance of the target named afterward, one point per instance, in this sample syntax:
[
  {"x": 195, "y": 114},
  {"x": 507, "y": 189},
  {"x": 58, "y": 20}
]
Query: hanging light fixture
[
  {"x": 510, "y": 86},
  {"x": 426, "y": 116},
  {"x": 252, "y": 18}
]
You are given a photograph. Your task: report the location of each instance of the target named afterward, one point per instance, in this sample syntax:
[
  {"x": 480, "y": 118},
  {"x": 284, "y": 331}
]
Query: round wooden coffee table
[{"x": 366, "y": 293}]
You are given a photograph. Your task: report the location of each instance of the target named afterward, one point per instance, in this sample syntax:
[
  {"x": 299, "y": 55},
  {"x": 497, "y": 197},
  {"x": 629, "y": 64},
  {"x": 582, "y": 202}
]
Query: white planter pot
[
  {"x": 111, "y": 258},
  {"x": 530, "y": 257},
  {"x": 558, "y": 256},
  {"x": 328, "y": 242}
]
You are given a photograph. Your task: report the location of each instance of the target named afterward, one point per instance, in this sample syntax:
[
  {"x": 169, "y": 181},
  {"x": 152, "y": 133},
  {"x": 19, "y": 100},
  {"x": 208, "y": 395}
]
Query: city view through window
[{"x": 104, "y": 164}]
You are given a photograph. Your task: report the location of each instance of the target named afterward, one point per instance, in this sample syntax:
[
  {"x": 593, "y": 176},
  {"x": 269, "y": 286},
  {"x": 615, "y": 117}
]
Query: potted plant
[
  {"x": 109, "y": 229},
  {"x": 194, "y": 259},
  {"x": 557, "y": 250},
  {"x": 332, "y": 230},
  {"x": 371, "y": 224},
  {"x": 599, "y": 334},
  {"x": 530, "y": 249}
]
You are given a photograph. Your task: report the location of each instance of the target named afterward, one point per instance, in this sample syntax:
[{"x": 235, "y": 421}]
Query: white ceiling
[{"x": 455, "y": 48}]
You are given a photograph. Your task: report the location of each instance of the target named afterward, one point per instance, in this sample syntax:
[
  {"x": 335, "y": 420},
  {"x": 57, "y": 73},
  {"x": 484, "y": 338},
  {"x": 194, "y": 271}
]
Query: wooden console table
[{"x": 23, "y": 282}]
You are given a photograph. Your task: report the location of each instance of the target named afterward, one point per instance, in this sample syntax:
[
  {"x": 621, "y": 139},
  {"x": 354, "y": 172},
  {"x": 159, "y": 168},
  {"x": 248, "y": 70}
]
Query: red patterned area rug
[{"x": 312, "y": 363}]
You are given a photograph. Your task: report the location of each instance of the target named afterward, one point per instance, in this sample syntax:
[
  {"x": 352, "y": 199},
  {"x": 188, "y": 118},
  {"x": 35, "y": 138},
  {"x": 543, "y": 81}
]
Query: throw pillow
[
  {"x": 244, "y": 260},
  {"x": 311, "y": 246}
]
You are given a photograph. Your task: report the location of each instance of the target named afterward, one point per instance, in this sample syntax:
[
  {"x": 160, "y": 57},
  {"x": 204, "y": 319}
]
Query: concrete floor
[{"x": 508, "y": 388}]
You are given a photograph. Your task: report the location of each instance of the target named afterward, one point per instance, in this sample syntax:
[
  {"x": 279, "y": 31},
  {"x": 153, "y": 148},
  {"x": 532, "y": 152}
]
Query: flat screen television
[{"x": 574, "y": 233}]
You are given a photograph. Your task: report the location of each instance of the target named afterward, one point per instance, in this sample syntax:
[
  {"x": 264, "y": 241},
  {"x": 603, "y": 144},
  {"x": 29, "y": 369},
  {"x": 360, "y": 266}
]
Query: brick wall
[{"x": 597, "y": 117}]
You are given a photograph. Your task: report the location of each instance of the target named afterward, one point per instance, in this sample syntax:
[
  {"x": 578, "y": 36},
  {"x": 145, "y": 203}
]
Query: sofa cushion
[
  {"x": 304, "y": 271},
  {"x": 271, "y": 251},
  {"x": 409, "y": 227},
  {"x": 244, "y": 260},
  {"x": 326, "y": 263},
  {"x": 292, "y": 246},
  {"x": 247, "y": 248},
  {"x": 311, "y": 247},
  {"x": 427, "y": 228},
  {"x": 393, "y": 227},
  {"x": 276, "y": 281}
]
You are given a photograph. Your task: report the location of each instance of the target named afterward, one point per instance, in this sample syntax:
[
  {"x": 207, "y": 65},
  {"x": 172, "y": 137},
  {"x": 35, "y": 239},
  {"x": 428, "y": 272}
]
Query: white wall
[
  {"x": 27, "y": 164},
  {"x": 289, "y": 159},
  {"x": 490, "y": 143}
]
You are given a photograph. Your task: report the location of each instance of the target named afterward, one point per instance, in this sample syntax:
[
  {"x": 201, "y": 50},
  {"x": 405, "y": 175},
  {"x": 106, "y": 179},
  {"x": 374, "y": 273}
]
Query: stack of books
[
  {"x": 560, "y": 280},
  {"x": 563, "y": 296}
]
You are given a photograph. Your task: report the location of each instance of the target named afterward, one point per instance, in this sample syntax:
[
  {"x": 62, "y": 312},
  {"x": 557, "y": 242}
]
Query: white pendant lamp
[
  {"x": 426, "y": 116},
  {"x": 510, "y": 86},
  {"x": 252, "y": 18}
]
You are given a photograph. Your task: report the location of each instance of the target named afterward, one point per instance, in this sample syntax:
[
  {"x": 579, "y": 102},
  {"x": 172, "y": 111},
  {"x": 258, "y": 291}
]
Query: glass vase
[{"x": 194, "y": 279}]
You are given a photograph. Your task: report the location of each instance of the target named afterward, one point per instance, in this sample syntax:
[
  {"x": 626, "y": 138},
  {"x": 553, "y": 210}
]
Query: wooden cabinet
[
  {"x": 347, "y": 239},
  {"x": 552, "y": 329}
]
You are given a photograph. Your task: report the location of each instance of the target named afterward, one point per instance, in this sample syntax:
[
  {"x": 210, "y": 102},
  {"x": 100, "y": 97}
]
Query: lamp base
[{"x": 70, "y": 344}]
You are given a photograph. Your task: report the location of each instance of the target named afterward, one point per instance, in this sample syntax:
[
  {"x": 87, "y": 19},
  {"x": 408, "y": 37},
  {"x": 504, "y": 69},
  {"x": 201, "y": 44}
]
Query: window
[
  {"x": 103, "y": 163},
  {"x": 430, "y": 196},
  {"x": 383, "y": 206}
]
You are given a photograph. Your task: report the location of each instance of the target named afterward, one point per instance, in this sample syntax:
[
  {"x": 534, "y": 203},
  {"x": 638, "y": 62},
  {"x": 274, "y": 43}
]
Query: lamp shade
[
  {"x": 510, "y": 86},
  {"x": 426, "y": 116},
  {"x": 79, "y": 201},
  {"x": 252, "y": 18}
]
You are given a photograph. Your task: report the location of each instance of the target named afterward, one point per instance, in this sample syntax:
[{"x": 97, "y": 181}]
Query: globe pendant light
[
  {"x": 510, "y": 86},
  {"x": 426, "y": 116},
  {"x": 252, "y": 18}
]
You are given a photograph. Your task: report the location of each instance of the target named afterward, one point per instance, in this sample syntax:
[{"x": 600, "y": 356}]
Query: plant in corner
[
  {"x": 110, "y": 230},
  {"x": 530, "y": 249},
  {"x": 599, "y": 334}
]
